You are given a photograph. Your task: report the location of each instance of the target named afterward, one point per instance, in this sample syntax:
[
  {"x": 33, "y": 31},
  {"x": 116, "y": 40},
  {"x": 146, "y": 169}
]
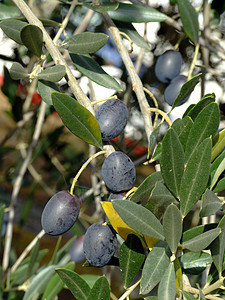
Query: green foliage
[
  {"x": 32, "y": 38},
  {"x": 12, "y": 28},
  {"x": 52, "y": 74}
]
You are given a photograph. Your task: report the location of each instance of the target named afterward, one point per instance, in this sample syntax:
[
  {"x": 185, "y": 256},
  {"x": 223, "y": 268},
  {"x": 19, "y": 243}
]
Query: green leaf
[
  {"x": 172, "y": 226},
  {"x": 195, "y": 262},
  {"x": 131, "y": 258},
  {"x": 218, "y": 144},
  {"x": 55, "y": 285},
  {"x": 136, "y": 14},
  {"x": 167, "y": 285},
  {"x": 39, "y": 283},
  {"x": 104, "y": 7},
  {"x": 216, "y": 164},
  {"x": 202, "y": 241},
  {"x": 77, "y": 119},
  {"x": 189, "y": 19},
  {"x": 188, "y": 296},
  {"x": 157, "y": 153},
  {"x": 129, "y": 29},
  {"x": 12, "y": 28},
  {"x": 85, "y": 42},
  {"x": 45, "y": 89},
  {"x": 182, "y": 128},
  {"x": 90, "y": 279},
  {"x": 218, "y": 246},
  {"x": 49, "y": 23},
  {"x": 195, "y": 177},
  {"x": 153, "y": 140},
  {"x": 145, "y": 188},
  {"x": 157, "y": 261},
  {"x": 186, "y": 90},
  {"x": 2, "y": 208},
  {"x": 52, "y": 74},
  {"x": 90, "y": 68},
  {"x": 220, "y": 186},
  {"x": 205, "y": 125},
  {"x": 197, "y": 230},
  {"x": 17, "y": 71},
  {"x": 197, "y": 108},
  {"x": 160, "y": 198},
  {"x": 8, "y": 11},
  {"x": 100, "y": 290},
  {"x": 217, "y": 173},
  {"x": 32, "y": 38},
  {"x": 33, "y": 258},
  {"x": 210, "y": 204},
  {"x": 139, "y": 218},
  {"x": 78, "y": 286},
  {"x": 172, "y": 161},
  {"x": 64, "y": 250}
]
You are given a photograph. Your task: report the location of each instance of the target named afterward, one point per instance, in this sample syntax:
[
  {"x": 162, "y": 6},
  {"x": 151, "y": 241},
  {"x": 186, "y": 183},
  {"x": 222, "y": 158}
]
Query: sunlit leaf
[
  {"x": 53, "y": 74},
  {"x": 146, "y": 187},
  {"x": 195, "y": 177},
  {"x": 189, "y": 18},
  {"x": 172, "y": 161},
  {"x": 202, "y": 241},
  {"x": 85, "y": 42},
  {"x": 217, "y": 173},
  {"x": 210, "y": 204},
  {"x": 218, "y": 144},
  {"x": 205, "y": 125},
  {"x": 186, "y": 90},
  {"x": 139, "y": 218},
  {"x": 172, "y": 226},
  {"x": 90, "y": 68},
  {"x": 131, "y": 257},
  {"x": 157, "y": 261},
  {"x": 136, "y": 14},
  {"x": 100, "y": 290},
  {"x": 77, "y": 119},
  {"x": 78, "y": 286},
  {"x": 167, "y": 285}
]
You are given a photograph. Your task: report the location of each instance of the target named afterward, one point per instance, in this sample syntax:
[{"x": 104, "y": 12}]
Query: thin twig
[
  {"x": 85, "y": 22},
  {"x": 135, "y": 80},
  {"x": 55, "y": 53},
  {"x": 18, "y": 183},
  {"x": 130, "y": 290},
  {"x": 193, "y": 62},
  {"x": 27, "y": 250}
]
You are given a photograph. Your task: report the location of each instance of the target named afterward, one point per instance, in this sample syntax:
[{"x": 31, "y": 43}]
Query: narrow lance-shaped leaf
[
  {"x": 195, "y": 262},
  {"x": 153, "y": 140},
  {"x": 198, "y": 107},
  {"x": 172, "y": 226},
  {"x": 77, "y": 119},
  {"x": 100, "y": 290},
  {"x": 157, "y": 261},
  {"x": 195, "y": 177},
  {"x": 146, "y": 187},
  {"x": 220, "y": 186},
  {"x": 218, "y": 144},
  {"x": 186, "y": 90},
  {"x": 55, "y": 285},
  {"x": 217, "y": 173},
  {"x": 17, "y": 71},
  {"x": 167, "y": 285},
  {"x": 205, "y": 125},
  {"x": 139, "y": 218},
  {"x": 182, "y": 128},
  {"x": 90, "y": 68},
  {"x": 45, "y": 89},
  {"x": 188, "y": 296},
  {"x": 32, "y": 38},
  {"x": 12, "y": 28},
  {"x": 131, "y": 258},
  {"x": 78, "y": 286},
  {"x": 218, "y": 246},
  {"x": 136, "y": 14},
  {"x": 189, "y": 19},
  {"x": 172, "y": 161},
  {"x": 202, "y": 241},
  {"x": 210, "y": 204},
  {"x": 104, "y": 7},
  {"x": 52, "y": 74},
  {"x": 85, "y": 43}
]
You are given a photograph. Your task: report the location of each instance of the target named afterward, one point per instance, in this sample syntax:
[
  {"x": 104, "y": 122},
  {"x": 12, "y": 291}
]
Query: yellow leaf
[{"x": 121, "y": 227}]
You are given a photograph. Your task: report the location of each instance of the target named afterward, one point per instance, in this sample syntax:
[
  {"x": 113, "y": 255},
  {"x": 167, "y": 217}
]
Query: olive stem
[
  {"x": 156, "y": 105},
  {"x": 193, "y": 62},
  {"x": 129, "y": 39},
  {"x": 129, "y": 290},
  {"x": 105, "y": 99},
  {"x": 82, "y": 169},
  {"x": 162, "y": 113},
  {"x": 27, "y": 250}
]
